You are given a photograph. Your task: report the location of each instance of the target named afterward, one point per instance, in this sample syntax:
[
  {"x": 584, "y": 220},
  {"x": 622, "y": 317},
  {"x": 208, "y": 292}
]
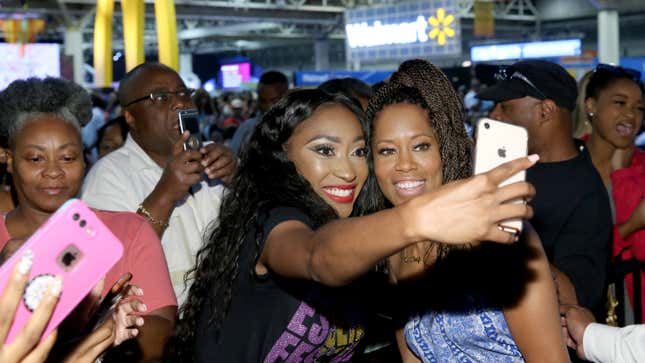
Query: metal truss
[
  {"x": 214, "y": 25},
  {"x": 325, "y": 6},
  {"x": 503, "y": 10}
]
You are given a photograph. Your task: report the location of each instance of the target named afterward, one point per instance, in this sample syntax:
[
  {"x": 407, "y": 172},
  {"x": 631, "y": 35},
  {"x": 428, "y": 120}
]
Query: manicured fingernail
[
  {"x": 534, "y": 158},
  {"x": 24, "y": 266},
  {"x": 143, "y": 307},
  {"x": 135, "y": 332},
  {"x": 56, "y": 287},
  {"x": 140, "y": 321}
]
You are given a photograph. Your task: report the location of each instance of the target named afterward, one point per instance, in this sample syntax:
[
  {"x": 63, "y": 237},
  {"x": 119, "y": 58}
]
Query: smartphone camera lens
[
  {"x": 82, "y": 223},
  {"x": 486, "y": 125},
  {"x": 68, "y": 259},
  {"x": 76, "y": 216}
]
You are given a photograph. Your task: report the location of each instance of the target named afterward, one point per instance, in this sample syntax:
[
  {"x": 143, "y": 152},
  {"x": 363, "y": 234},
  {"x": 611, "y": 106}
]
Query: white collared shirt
[
  {"x": 608, "y": 344},
  {"x": 121, "y": 180}
]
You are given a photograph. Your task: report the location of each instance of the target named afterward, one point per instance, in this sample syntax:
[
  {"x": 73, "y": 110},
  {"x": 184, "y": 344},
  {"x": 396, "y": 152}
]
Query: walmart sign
[{"x": 396, "y": 32}]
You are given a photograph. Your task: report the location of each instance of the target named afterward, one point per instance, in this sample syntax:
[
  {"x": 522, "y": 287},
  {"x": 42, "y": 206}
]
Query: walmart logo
[
  {"x": 441, "y": 26},
  {"x": 378, "y": 34}
]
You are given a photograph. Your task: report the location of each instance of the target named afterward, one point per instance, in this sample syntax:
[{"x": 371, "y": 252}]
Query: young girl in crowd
[
  {"x": 259, "y": 291},
  {"x": 419, "y": 143},
  {"x": 615, "y": 107},
  {"x": 111, "y": 136},
  {"x": 40, "y": 124}
]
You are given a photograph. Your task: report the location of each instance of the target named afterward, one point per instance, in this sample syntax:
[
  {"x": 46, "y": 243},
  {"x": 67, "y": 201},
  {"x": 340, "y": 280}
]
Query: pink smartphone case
[{"x": 94, "y": 251}]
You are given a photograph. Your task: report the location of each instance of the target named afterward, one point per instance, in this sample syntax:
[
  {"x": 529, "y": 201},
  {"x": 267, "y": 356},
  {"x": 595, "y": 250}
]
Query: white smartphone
[{"x": 496, "y": 143}]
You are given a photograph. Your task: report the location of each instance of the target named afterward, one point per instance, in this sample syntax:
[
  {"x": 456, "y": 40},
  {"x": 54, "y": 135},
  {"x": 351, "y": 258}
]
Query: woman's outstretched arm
[{"x": 459, "y": 212}]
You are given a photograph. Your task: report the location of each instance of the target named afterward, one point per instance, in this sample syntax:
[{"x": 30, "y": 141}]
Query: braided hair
[
  {"x": 265, "y": 178},
  {"x": 420, "y": 83},
  {"x": 444, "y": 109},
  {"x": 445, "y": 114}
]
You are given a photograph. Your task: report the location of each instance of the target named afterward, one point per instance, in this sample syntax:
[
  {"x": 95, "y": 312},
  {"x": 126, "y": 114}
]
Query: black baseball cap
[{"x": 535, "y": 78}]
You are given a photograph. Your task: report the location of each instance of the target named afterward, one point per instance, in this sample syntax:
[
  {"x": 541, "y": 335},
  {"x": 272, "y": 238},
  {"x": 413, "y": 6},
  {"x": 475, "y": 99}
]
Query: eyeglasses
[
  {"x": 633, "y": 74},
  {"x": 162, "y": 97},
  {"x": 508, "y": 73}
]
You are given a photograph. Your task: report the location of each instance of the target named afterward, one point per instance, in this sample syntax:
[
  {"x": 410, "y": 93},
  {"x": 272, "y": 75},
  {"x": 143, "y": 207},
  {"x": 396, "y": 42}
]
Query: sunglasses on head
[
  {"x": 620, "y": 71},
  {"x": 508, "y": 73}
]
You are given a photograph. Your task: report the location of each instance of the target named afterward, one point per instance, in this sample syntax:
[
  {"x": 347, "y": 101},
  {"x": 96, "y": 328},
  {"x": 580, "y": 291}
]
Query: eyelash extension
[
  {"x": 363, "y": 150},
  {"x": 323, "y": 147}
]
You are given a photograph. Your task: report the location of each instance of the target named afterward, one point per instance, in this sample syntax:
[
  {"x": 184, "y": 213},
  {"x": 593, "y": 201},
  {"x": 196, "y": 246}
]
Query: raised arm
[
  {"x": 343, "y": 250},
  {"x": 183, "y": 169}
]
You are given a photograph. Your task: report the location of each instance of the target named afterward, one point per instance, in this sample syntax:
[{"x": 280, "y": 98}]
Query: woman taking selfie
[
  {"x": 418, "y": 144},
  {"x": 40, "y": 122},
  {"x": 262, "y": 283}
]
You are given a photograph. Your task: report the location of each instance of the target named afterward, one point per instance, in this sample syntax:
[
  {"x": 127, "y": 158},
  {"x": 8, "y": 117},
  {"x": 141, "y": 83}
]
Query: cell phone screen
[{"x": 189, "y": 121}]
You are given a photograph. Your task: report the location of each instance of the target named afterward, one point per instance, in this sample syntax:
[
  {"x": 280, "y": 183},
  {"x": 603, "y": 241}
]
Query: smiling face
[
  {"x": 618, "y": 112},
  {"x": 406, "y": 152},
  {"x": 329, "y": 151},
  {"x": 46, "y": 163}
]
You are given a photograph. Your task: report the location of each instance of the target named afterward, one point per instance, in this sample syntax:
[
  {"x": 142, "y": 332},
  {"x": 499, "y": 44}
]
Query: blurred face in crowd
[
  {"x": 154, "y": 123},
  {"x": 112, "y": 140},
  {"x": 329, "y": 151},
  {"x": 46, "y": 163},
  {"x": 525, "y": 112},
  {"x": 268, "y": 94},
  {"x": 617, "y": 112},
  {"x": 406, "y": 152}
]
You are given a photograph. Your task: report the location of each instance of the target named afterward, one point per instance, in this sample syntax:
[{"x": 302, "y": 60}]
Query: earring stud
[{"x": 590, "y": 114}]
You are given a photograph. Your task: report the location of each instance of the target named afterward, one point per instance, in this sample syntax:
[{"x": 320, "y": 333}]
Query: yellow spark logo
[{"x": 441, "y": 26}]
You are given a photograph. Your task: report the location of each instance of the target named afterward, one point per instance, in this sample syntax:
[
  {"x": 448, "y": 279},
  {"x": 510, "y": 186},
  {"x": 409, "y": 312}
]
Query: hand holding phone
[
  {"x": 105, "y": 308},
  {"x": 115, "y": 304},
  {"x": 189, "y": 121},
  {"x": 497, "y": 143},
  {"x": 73, "y": 244},
  {"x": 25, "y": 347}
]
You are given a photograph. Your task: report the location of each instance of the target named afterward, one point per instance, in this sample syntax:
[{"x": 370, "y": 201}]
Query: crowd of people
[{"x": 341, "y": 223}]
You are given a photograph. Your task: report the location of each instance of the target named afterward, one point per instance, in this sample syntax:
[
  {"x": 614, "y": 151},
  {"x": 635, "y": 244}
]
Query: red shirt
[
  {"x": 142, "y": 256},
  {"x": 628, "y": 189}
]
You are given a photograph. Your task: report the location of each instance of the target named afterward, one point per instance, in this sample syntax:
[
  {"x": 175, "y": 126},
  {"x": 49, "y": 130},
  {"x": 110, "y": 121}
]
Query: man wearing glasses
[
  {"x": 178, "y": 191},
  {"x": 572, "y": 211}
]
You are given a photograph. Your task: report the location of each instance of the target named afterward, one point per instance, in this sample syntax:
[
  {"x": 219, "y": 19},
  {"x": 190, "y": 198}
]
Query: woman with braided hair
[
  {"x": 267, "y": 281},
  {"x": 419, "y": 143}
]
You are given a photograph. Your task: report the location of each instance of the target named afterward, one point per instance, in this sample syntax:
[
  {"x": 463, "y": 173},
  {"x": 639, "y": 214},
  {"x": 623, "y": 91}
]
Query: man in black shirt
[{"x": 572, "y": 212}]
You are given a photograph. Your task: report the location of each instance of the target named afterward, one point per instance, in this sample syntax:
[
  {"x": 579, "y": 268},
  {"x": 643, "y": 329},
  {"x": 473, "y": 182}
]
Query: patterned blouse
[{"x": 477, "y": 335}]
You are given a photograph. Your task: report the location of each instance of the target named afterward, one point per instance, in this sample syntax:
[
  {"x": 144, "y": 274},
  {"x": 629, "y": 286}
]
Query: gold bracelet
[{"x": 146, "y": 214}]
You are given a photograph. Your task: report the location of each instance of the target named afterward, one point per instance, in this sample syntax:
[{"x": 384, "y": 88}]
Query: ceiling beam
[{"x": 230, "y": 29}]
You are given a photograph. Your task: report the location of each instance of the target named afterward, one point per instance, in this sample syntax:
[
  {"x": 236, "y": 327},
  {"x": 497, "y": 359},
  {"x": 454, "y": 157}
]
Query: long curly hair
[
  {"x": 265, "y": 178},
  {"x": 420, "y": 83}
]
